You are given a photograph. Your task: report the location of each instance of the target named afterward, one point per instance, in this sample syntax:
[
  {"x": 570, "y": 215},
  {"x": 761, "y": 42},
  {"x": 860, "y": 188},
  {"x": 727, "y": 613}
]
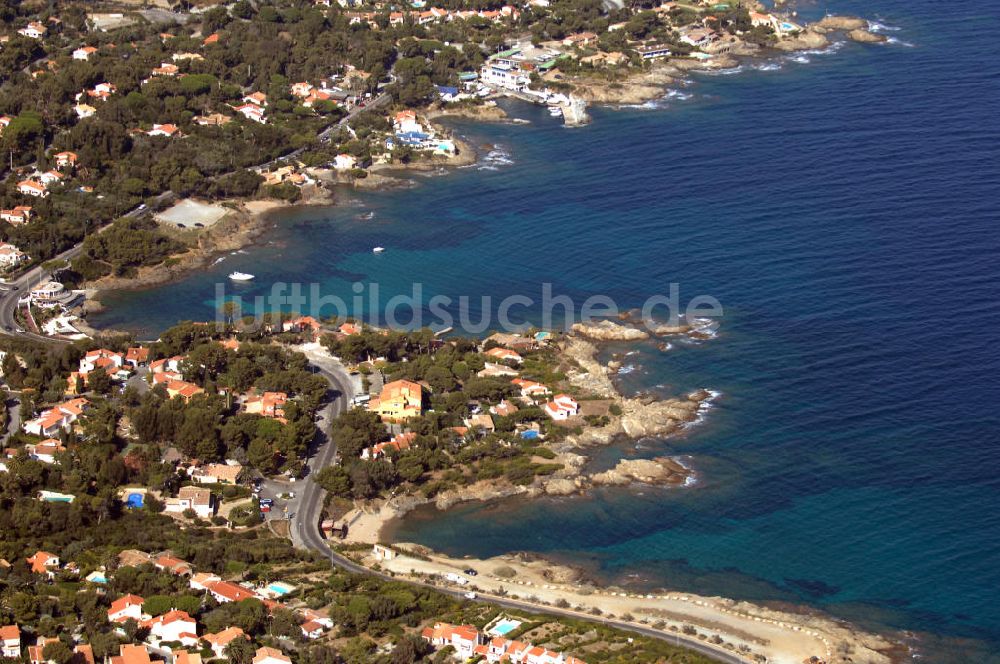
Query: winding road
[{"x": 305, "y": 531}]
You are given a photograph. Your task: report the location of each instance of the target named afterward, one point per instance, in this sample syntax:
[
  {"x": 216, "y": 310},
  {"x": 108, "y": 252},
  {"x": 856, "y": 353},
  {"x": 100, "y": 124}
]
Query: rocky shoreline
[
  {"x": 650, "y": 84},
  {"x": 639, "y": 418}
]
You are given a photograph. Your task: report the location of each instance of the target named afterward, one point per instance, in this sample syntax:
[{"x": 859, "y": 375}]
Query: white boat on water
[
  {"x": 378, "y": 250},
  {"x": 240, "y": 276}
]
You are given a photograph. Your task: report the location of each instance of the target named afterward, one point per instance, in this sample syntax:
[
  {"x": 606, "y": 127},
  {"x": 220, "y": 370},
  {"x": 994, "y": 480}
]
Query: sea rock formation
[
  {"x": 805, "y": 40},
  {"x": 866, "y": 37},
  {"x": 607, "y": 330},
  {"x": 661, "y": 470},
  {"x": 842, "y": 23}
]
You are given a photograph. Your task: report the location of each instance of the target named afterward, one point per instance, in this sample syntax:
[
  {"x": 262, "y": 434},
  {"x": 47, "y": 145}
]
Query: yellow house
[{"x": 399, "y": 401}]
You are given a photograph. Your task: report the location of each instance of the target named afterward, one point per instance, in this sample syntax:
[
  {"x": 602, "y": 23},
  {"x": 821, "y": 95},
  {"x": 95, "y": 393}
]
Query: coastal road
[
  {"x": 304, "y": 525},
  {"x": 305, "y": 532},
  {"x": 12, "y": 291}
]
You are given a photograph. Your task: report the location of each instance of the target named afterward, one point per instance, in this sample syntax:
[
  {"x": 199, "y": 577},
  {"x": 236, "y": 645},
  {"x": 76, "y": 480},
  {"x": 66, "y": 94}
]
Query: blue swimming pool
[{"x": 505, "y": 626}]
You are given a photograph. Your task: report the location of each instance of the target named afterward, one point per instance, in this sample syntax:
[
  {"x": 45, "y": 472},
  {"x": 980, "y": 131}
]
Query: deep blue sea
[{"x": 843, "y": 207}]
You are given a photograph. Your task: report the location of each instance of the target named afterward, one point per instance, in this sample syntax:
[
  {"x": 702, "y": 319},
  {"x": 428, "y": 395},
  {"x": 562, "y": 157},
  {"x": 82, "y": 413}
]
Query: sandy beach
[{"x": 781, "y": 636}]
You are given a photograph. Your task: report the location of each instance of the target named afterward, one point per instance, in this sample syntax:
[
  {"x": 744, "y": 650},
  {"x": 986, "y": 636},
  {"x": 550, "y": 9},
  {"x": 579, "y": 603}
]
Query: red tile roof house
[
  {"x": 137, "y": 356},
  {"x": 19, "y": 215},
  {"x": 34, "y": 30},
  {"x": 133, "y": 654},
  {"x": 251, "y": 112},
  {"x": 218, "y": 641},
  {"x": 530, "y": 389},
  {"x": 84, "y": 53},
  {"x": 347, "y": 329},
  {"x": 32, "y": 188},
  {"x": 174, "y": 625},
  {"x": 10, "y": 641},
  {"x": 216, "y": 473},
  {"x": 51, "y": 421},
  {"x": 46, "y": 450},
  {"x": 400, "y": 442},
  {"x": 64, "y": 159},
  {"x": 92, "y": 360},
  {"x": 123, "y": 608},
  {"x": 301, "y": 324},
  {"x": 270, "y": 656},
  {"x": 463, "y": 638},
  {"x": 35, "y": 652},
  {"x": 562, "y": 407},
  {"x": 504, "y": 354},
  {"x": 166, "y": 130},
  {"x": 175, "y": 566},
  {"x": 268, "y": 404},
  {"x": 312, "y": 629},
  {"x": 224, "y": 591}
]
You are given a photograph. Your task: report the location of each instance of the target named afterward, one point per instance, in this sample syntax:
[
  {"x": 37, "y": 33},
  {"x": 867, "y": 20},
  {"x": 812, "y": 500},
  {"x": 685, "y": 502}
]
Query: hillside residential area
[
  {"x": 190, "y": 499},
  {"x": 148, "y": 489}
]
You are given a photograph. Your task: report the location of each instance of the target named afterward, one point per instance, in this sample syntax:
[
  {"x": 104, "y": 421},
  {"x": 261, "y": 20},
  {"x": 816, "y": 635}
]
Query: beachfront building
[
  {"x": 345, "y": 162},
  {"x": 654, "y": 51},
  {"x": 399, "y": 401}
]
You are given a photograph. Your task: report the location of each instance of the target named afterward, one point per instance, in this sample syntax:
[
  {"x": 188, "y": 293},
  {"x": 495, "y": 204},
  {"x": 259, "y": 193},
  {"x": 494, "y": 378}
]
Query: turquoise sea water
[{"x": 844, "y": 211}]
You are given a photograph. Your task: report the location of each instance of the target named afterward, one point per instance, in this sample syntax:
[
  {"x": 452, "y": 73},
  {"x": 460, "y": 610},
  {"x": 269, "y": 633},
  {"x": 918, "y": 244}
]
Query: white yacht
[{"x": 240, "y": 276}]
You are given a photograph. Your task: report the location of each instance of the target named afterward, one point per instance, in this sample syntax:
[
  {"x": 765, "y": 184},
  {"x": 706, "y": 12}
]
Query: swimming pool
[
  {"x": 505, "y": 627},
  {"x": 529, "y": 434},
  {"x": 280, "y": 588}
]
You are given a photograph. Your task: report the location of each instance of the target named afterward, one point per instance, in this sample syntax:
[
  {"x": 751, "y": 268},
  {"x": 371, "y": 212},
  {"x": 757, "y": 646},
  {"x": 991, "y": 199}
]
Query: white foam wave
[
  {"x": 219, "y": 260},
  {"x": 723, "y": 72},
  {"x": 893, "y": 40},
  {"x": 626, "y": 369},
  {"x": 768, "y": 66},
  {"x": 876, "y": 26},
  {"x": 494, "y": 159},
  {"x": 706, "y": 405}
]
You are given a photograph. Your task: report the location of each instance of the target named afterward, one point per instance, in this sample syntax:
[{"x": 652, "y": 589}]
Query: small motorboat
[
  {"x": 378, "y": 250},
  {"x": 240, "y": 276}
]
